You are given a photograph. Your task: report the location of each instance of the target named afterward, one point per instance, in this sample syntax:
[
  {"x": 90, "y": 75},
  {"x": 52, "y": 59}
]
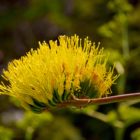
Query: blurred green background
[{"x": 114, "y": 23}]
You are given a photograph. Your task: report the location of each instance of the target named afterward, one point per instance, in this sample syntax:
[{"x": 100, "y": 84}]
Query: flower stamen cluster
[{"x": 56, "y": 71}]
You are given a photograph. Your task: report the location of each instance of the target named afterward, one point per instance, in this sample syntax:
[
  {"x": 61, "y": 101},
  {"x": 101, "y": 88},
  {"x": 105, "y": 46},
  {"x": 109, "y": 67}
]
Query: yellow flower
[{"x": 55, "y": 72}]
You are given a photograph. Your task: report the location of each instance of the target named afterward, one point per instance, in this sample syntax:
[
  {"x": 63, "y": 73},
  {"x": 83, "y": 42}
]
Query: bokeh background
[{"x": 114, "y": 23}]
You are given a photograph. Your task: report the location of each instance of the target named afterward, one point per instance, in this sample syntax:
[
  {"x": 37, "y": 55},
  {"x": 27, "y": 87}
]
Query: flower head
[{"x": 56, "y": 71}]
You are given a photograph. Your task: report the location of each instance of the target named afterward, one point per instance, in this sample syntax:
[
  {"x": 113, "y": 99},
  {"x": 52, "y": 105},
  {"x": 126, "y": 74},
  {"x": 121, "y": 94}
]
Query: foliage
[{"x": 6, "y": 133}]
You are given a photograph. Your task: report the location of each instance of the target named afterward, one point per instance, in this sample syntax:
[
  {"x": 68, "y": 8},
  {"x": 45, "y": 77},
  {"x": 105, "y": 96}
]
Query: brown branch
[{"x": 99, "y": 101}]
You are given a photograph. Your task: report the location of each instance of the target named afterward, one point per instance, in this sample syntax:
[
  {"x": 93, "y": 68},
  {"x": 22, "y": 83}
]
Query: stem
[
  {"x": 104, "y": 118},
  {"x": 99, "y": 101},
  {"x": 125, "y": 43}
]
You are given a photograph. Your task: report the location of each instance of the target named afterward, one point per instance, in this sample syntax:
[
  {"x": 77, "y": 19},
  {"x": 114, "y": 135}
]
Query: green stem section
[{"x": 99, "y": 101}]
